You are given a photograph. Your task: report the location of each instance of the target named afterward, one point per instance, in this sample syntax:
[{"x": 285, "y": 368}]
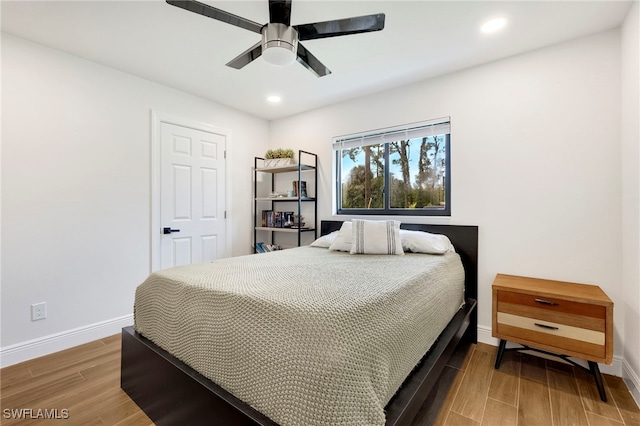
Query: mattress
[{"x": 306, "y": 336}]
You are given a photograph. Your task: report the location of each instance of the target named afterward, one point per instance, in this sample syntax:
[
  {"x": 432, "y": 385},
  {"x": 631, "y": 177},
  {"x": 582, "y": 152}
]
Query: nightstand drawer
[
  {"x": 551, "y": 304},
  {"x": 574, "y": 314},
  {"x": 551, "y": 334}
]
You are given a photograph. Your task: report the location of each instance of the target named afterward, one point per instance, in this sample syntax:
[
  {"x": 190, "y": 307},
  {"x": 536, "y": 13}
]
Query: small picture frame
[{"x": 287, "y": 220}]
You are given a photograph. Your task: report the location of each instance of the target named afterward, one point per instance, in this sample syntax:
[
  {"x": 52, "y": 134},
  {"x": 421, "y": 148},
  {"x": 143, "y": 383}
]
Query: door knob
[{"x": 169, "y": 230}]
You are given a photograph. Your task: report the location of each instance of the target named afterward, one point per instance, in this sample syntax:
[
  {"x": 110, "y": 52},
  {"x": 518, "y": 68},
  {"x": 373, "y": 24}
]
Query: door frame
[{"x": 157, "y": 118}]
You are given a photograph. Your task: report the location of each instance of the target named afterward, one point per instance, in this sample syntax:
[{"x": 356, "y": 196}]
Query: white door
[{"x": 192, "y": 195}]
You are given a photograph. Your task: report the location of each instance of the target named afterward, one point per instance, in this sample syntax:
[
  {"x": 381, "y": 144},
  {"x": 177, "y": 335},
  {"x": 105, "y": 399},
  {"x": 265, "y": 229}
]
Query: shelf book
[
  {"x": 300, "y": 188},
  {"x": 275, "y": 219},
  {"x": 265, "y": 248}
]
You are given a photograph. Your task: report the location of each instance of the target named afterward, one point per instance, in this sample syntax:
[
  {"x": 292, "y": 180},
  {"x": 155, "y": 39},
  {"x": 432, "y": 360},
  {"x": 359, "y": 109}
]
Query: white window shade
[{"x": 393, "y": 134}]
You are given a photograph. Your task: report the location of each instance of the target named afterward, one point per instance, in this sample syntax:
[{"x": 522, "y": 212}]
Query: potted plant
[
  {"x": 298, "y": 221},
  {"x": 279, "y": 157}
]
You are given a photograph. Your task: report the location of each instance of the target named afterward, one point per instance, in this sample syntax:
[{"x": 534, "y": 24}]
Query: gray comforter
[{"x": 306, "y": 336}]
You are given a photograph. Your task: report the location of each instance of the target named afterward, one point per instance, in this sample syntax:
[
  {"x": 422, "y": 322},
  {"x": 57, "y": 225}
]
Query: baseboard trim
[
  {"x": 484, "y": 336},
  {"x": 632, "y": 381},
  {"x": 46, "y": 345},
  {"x": 615, "y": 369}
]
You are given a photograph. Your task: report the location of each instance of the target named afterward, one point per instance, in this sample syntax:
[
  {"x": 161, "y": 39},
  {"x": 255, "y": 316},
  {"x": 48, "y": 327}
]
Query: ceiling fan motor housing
[{"x": 279, "y": 44}]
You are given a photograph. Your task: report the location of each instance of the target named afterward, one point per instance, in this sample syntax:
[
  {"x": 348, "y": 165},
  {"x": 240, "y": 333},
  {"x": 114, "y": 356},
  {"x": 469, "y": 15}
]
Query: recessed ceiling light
[
  {"x": 274, "y": 99},
  {"x": 493, "y": 25}
]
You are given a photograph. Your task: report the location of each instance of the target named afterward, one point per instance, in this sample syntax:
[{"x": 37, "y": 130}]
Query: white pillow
[
  {"x": 343, "y": 241},
  {"x": 325, "y": 241},
  {"x": 376, "y": 237},
  {"x": 425, "y": 242}
]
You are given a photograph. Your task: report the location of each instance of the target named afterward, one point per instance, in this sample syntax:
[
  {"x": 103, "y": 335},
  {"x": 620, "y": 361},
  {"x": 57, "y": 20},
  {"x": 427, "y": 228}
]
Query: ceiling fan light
[
  {"x": 279, "y": 44},
  {"x": 279, "y": 55}
]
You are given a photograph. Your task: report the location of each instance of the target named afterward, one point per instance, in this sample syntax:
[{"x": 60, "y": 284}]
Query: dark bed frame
[{"x": 172, "y": 393}]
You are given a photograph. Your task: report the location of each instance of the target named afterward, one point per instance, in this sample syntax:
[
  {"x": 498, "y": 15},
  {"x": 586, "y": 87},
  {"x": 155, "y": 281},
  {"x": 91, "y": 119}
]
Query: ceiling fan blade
[
  {"x": 217, "y": 14},
  {"x": 340, "y": 27},
  {"x": 280, "y": 12},
  {"x": 311, "y": 63},
  {"x": 247, "y": 56}
]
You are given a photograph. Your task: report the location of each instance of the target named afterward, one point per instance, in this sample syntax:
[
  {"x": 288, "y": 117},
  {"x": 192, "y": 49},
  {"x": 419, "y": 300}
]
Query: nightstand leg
[
  {"x": 503, "y": 343},
  {"x": 595, "y": 370}
]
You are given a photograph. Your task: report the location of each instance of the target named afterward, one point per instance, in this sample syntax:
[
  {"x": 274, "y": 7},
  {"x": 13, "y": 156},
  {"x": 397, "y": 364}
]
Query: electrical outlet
[{"x": 38, "y": 311}]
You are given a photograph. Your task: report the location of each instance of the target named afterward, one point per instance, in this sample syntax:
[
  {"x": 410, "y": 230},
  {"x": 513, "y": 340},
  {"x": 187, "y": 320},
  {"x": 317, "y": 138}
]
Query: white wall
[
  {"x": 76, "y": 140},
  {"x": 630, "y": 37},
  {"x": 535, "y": 159}
]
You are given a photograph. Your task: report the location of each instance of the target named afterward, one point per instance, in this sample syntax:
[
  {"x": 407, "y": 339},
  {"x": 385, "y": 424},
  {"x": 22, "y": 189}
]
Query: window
[{"x": 396, "y": 171}]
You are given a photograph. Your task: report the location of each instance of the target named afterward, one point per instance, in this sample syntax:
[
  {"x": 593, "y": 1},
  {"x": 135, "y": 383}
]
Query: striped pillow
[{"x": 375, "y": 237}]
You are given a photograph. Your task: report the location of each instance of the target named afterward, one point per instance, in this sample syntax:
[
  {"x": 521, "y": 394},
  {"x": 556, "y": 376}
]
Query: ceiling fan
[{"x": 280, "y": 44}]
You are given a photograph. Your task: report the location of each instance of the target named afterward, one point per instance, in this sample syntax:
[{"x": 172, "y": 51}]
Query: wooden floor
[
  {"x": 83, "y": 384},
  {"x": 526, "y": 391},
  {"x": 84, "y": 380}
]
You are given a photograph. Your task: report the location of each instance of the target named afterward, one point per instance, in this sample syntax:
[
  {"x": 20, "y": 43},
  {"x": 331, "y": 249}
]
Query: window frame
[{"x": 387, "y": 210}]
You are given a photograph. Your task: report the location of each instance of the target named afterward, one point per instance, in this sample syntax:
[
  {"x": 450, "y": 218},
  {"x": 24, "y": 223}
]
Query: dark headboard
[{"x": 463, "y": 237}]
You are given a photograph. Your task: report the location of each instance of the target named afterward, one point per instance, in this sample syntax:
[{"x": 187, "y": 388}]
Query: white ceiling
[{"x": 186, "y": 51}]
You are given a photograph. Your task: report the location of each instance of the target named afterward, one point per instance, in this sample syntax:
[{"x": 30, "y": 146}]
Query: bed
[{"x": 164, "y": 384}]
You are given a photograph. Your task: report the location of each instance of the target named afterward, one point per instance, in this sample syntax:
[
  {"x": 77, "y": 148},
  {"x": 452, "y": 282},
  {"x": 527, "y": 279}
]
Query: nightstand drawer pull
[
  {"x": 546, "y": 302},
  {"x": 548, "y": 327}
]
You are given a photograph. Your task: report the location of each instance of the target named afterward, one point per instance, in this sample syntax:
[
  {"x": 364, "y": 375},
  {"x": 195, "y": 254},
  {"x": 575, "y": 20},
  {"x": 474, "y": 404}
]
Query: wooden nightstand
[{"x": 554, "y": 317}]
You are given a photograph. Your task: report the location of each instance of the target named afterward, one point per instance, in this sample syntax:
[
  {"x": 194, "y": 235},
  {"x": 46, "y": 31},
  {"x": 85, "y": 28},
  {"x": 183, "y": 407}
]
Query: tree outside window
[{"x": 407, "y": 176}]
